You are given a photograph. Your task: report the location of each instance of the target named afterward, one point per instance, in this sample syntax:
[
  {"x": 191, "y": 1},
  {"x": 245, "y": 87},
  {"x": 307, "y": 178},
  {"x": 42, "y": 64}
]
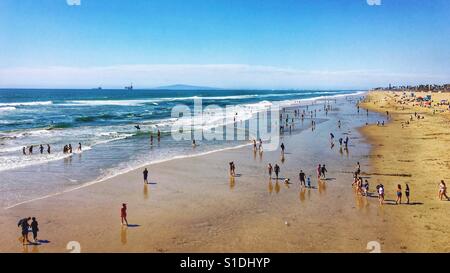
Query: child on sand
[
  {"x": 319, "y": 171},
  {"x": 308, "y": 181},
  {"x": 399, "y": 195},
  {"x": 123, "y": 214}
]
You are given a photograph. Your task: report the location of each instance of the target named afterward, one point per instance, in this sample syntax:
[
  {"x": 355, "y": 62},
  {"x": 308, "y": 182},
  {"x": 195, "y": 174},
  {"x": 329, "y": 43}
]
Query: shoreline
[{"x": 287, "y": 105}]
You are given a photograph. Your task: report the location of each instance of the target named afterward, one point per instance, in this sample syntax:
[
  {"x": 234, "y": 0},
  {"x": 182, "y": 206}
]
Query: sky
[{"x": 265, "y": 44}]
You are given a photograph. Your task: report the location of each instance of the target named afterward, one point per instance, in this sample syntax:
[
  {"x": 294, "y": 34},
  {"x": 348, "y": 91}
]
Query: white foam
[
  {"x": 32, "y": 103},
  {"x": 7, "y": 109},
  {"x": 105, "y": 178}
]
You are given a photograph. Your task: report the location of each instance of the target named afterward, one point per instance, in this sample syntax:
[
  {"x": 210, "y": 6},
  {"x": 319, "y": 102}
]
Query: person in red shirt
[{"x": 123, "y": 214}]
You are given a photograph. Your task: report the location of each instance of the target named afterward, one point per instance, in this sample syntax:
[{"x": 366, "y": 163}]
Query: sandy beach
[
  {"x": 415, "y": 153},
  {"x": 192, "y": 204}
]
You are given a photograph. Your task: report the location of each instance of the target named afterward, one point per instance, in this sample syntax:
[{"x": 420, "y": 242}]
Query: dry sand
[{"x": 416, "y": 154}]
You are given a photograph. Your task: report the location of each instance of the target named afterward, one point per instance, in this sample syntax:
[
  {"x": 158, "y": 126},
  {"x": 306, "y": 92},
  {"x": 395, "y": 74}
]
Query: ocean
[{"x": 104, "y": 121}]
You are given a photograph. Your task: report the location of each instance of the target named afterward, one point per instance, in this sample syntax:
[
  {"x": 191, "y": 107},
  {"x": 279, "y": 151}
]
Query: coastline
[{"x": 192, "y": 205}]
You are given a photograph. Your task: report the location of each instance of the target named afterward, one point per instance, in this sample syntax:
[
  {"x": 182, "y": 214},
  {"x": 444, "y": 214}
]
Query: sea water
[{"x": 104, "y": 121}]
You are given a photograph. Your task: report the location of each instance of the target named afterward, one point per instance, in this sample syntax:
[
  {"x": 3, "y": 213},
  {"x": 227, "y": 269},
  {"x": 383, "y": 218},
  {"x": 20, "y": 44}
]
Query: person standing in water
[
  {"x": 24, "y": 150},
  {"x": 269, "y": 169},
  {"x": 70, "y": 148},
  {"x": 48, "y": 148},
  {"x": 41, "y": 149},
  {"x": 79, "y": 147},
  {"x": 232, "y": 169},
  {"x": 277, "y": 170},
  {"x": 145, "y": 173},
  {"x": 30, "y": 150},
  {"x": 323, "y": 171},
  {"x": 151, "y": 139},
  {"x": 301, "y": 177},
  {"x": 123, "y": 214},
  {"x": 159, "y": 135},
  {"x": 34, "y": 228}
]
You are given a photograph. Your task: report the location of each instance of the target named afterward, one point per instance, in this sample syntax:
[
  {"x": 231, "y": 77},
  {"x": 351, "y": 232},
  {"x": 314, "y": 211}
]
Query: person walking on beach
[
  {"x": 145, "y": 173},
  {"x": 323, "y": 171},
  {"x": 232, "y": 169},
  {"x": 277, "y": 171},
  {"x": 254, "y": 145},
  {"x": 301, "y": 176},
  {"x": 443, "y": 190},
  {"x": 34, "y": 229},
  {"x": 358, "y": 168},
  {"x": 123, "y": 214},
  {"x": 319, "y": 171},
  {"x": 23, "y": 224},
  {"x": 269, "y": 169},
  {"x": 399, "y": 195},
  {"x": 260, "y": 145},
  {"x": 380, "y": 189},
  {"x": 407, "y": 193},
  {"x": 282, "y": 148},
  {"x": 331, "y": 137}
]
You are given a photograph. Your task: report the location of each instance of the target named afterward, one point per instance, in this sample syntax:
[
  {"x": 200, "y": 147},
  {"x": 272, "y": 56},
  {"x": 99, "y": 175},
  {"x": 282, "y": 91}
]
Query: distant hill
[{"x": 185, "y": 87}]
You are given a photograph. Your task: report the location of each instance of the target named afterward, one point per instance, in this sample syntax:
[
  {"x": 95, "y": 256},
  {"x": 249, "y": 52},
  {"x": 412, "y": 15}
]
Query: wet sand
[
  {"x": 192, "y": 205},
  {"x": 416, "y": 153}
]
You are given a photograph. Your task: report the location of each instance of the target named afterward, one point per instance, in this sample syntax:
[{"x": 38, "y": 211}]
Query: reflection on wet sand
[
  {"x": 270, "y": 186},
  {"x": 277, "y": 187},
  {"x": 302, "y": 194},
  {"x": 145, "y": 191},
  {"x": 123, "y": 235},
  {"x": 232, "y": 182},
  {"x": 322, "y": 186}
]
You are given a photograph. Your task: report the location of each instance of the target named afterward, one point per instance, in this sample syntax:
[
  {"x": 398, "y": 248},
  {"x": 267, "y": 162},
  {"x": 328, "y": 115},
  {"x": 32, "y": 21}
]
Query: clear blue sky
[{"x": 323, "y": 43}]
